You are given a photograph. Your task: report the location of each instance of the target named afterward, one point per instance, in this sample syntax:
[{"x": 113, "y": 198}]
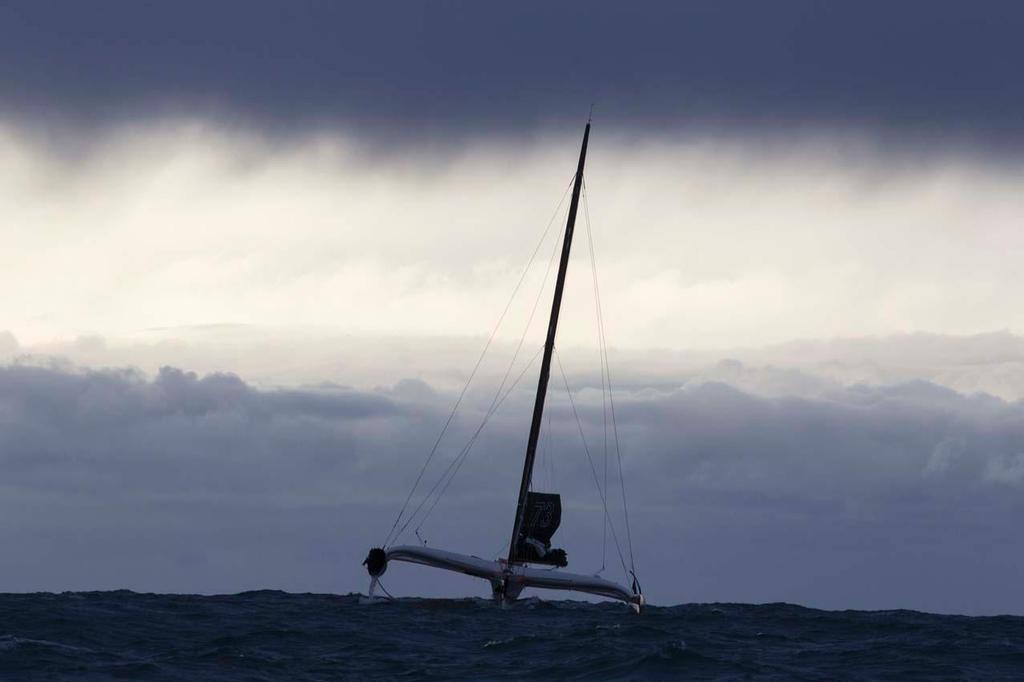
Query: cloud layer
[
  {"x": 872, "y": 496},
  {"x": 938, "y": 70},
  {"x": 705, "y": 242},
  {"x": 333, "y": 201}
]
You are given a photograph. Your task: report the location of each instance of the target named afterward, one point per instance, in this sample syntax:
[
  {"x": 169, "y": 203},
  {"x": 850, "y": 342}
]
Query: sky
[{"x": 250, "y": 253}]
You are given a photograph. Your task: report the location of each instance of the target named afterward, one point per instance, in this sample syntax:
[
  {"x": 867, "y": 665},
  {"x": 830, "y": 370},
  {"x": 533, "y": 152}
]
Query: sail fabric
[
  {"x": 543, "y": 516},
  {"x": 541, "y": 519}
]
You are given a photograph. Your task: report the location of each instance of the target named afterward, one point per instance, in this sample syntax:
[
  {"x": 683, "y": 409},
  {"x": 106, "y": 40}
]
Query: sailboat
[{"x": 537, "y": 515}]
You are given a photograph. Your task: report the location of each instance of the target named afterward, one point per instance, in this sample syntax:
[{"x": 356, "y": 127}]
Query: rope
[
  {"x": 456, "y": 463},
  {"x": 611, "y": 393},
  {"x": 551, "y": 459},
  {"x": 464, "y": 454},
  {"x": 385, "y": 590},
  {"x": 602, "y": 351},
  {"x": 593, "y": 469},
  {"x": 547, "y": 460},
  {"x": 476, "y": 367}
]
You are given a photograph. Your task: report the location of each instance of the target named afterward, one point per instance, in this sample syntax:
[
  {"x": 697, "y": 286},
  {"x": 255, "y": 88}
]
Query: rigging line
[
  {"x": 490, "y": 410},
  {"x": 543, "y": 445},
  {"x": 622, "y": 481},
  {"x": 601, "y": 353},
  {"x": 465, "y": 452},
  {"x": 611, "y": 398},
  {"x": 464, "y": 455},
  {"x": 545, "y": 457},
  {"x": 479, "y": 360},
  {"x": 593, "y": 469},
  {"x": 447, "y": 477},
  {"x": 551, "y": 459},
  {"x": 385, "y": 590}
]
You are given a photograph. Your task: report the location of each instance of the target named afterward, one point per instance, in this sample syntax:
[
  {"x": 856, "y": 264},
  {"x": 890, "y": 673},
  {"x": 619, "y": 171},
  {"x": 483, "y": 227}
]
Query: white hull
[{"x": 508, "y": 581}]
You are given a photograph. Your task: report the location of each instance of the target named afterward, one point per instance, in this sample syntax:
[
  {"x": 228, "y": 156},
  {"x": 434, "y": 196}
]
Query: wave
[{"x": 266, "y": 634}]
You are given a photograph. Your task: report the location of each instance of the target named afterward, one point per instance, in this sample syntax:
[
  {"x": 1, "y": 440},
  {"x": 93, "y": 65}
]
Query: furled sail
[{"x": 540, "y": 521}]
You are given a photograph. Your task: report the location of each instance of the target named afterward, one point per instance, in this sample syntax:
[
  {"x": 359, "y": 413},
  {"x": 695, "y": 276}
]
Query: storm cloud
[
  {"x": 938, "y": 71},
  {"x": 907, "y": 495}
]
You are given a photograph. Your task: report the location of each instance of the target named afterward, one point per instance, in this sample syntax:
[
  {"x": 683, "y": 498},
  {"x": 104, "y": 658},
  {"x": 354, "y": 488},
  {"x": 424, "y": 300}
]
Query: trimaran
[{"x": 538, "y": 515}]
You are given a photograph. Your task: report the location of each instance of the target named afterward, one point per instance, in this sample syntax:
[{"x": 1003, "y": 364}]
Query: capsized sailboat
[{"x": 537, "y": 515}]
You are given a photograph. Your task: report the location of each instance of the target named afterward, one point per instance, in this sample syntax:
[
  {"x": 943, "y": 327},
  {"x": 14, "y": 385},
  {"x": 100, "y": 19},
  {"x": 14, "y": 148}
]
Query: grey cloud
[
  {"x": 939, "y": 70},
  {"x": 96, "y": 434},
  {"x": 991, "y": 363},
  {"x": 870, "y": 496}
]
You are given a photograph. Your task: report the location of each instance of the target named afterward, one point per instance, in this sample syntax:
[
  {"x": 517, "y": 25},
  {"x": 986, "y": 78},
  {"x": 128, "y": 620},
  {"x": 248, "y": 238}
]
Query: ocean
[{"x": 269, "y": 635}]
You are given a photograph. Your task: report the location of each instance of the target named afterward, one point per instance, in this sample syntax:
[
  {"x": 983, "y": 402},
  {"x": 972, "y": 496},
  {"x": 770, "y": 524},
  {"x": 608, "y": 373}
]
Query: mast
[{"x": 549, "y": 346}]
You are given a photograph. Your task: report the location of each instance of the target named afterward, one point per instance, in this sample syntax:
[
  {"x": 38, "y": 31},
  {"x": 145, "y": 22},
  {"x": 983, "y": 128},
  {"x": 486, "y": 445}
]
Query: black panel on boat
[{"x": 541, "y": 520}]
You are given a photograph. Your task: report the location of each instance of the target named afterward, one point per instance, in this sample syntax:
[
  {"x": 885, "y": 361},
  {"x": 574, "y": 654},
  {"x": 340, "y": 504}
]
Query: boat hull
[{"x": 509, "y": 580}]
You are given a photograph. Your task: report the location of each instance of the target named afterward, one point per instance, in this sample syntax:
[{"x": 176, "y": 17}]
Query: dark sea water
[{"x": 279, "y": 636}]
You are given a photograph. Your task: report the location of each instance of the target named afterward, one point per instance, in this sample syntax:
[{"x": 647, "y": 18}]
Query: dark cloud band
[
  {"x": 938, "y": 69},
  {"x": 203, "y": 484}
]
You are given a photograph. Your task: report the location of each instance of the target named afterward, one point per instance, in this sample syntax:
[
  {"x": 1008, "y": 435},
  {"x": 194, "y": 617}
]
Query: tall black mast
[{"x": 549, "y": 346}]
